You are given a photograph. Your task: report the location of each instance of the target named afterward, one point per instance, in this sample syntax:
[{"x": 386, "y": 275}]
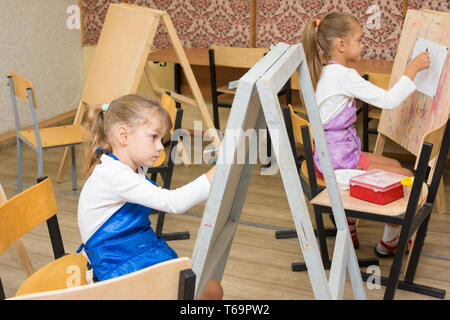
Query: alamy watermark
[
  {"x": 73, "y": 22},
  {"x": 238, "y": 147}
]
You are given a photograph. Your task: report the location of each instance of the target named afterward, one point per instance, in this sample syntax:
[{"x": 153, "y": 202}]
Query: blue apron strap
[
  {"x": 109, "y": 153},
  {"x": 80, "y": 248}
]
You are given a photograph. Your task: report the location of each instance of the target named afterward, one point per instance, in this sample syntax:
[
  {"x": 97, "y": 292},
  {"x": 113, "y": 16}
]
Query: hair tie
[
  {"x": 317, "y": 23},
  {"x": 105, "y": 107}
]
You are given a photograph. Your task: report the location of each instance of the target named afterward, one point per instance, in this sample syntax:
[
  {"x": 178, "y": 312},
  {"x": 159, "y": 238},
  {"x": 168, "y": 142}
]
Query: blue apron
[{"x": 126, "y": 243}]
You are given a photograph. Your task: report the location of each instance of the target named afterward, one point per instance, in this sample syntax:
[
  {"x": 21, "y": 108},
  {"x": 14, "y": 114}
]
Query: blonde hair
[
  {"x": 131, "y": 110},
  {"x": 319, "y": 36}
]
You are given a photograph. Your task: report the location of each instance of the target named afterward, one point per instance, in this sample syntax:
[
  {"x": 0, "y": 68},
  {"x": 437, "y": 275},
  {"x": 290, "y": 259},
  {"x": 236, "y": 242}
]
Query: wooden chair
[
  {"x": 241, "y": 59},
  {"x": 299, "y": 129},
  {"x": 24, "y": 212},
  {"x": 310, "y": 184},
  {"x": 169, "y": 280},
  {"x": 411, "y": 212},
  {"x": 40, "y": 139},
  {"x": 164, "y": 165},
  {"x": 370, "y": 112}
]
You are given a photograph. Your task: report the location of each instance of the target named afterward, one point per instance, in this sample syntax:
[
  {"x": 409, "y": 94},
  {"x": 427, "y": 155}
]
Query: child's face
[
  {"x": 144, "y": 144},
  {"x": 355, "y": 45}
]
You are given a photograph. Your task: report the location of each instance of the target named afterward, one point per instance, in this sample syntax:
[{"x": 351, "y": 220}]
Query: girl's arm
[
  {"x": 359, "y": 88},
  {"x": 130, "y": 187}
]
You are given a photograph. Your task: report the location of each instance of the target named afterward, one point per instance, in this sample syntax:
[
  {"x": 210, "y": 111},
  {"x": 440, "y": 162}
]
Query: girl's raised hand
[{"x": 419, "y": 63}]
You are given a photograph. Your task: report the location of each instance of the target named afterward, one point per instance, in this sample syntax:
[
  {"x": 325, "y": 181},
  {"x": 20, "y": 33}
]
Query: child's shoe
[{"x": 383, "y": 250}]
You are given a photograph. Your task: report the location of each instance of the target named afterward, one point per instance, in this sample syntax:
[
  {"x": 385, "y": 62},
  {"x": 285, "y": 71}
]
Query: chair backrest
[
  {"x": 237, "y": 57},
  {"x": 21, "y": 251},
  {"x": 176, "y": 115},
  {"x": 169, "y": 104},
  {"x": 20, "y": 86},
  {"x": 297, "y": 123},
  {"x": 23, "y": 89},
  {"x": 158, "y": 282},
  {"x": 25, "y": 211}
]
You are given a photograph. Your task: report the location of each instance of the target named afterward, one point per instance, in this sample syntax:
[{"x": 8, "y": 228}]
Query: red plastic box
[{"x": 377, "y": 186}]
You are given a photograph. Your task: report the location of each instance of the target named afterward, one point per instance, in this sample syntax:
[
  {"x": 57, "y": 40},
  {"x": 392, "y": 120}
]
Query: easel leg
[
  {"x": 379, "y": 145},
  {"x": 218, "y": 274},
  {"x": 193, "y": 85}
]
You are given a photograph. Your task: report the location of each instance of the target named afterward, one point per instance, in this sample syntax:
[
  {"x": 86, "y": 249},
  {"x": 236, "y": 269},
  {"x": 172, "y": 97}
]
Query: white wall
[{"x": 36, "y": 43}]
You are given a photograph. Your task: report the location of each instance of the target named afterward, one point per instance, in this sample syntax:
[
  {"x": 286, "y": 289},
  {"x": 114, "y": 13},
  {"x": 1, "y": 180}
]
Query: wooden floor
[{"x": 259, "y": 266}]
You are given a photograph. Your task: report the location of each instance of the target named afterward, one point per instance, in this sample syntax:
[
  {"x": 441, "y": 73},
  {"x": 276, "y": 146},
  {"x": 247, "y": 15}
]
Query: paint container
[{"x": 377, "y": 186}]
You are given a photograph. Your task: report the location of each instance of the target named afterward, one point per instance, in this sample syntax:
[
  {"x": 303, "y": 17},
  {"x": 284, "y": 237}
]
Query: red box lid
[{"x": 379, "y": 180}]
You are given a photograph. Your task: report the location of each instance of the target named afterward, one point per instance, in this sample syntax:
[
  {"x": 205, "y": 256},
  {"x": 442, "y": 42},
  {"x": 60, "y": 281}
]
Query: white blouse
[
  {"x": 339, "y": 86},
  {"x": 113, "y": 183}
]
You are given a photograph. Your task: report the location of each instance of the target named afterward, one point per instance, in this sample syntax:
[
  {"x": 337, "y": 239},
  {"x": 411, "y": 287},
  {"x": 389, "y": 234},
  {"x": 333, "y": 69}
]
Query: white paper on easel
[{"x": 427, "y": 80}]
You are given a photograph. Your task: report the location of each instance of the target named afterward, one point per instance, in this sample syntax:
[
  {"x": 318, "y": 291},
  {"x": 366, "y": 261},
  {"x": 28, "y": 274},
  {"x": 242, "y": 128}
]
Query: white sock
[{"x": 391, "y": 234}]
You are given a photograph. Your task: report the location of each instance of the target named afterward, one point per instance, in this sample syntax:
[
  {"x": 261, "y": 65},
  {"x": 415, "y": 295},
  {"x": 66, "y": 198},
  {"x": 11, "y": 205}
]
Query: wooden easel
[
  {"x": 419, "y": 114},
  {"x": 121, "y": 57},
  {"x": 255, "y": 105}
]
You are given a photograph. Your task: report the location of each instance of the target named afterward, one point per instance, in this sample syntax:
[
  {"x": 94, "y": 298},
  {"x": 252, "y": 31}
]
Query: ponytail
[
  {"x": 312, "y": 53},
  {"x": 95, "y": 125}
]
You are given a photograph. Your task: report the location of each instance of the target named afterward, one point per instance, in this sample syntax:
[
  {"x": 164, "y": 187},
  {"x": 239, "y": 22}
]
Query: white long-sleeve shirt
[
  {"x": 339, "y": 86},
  {"x": 113, "y": 183}
]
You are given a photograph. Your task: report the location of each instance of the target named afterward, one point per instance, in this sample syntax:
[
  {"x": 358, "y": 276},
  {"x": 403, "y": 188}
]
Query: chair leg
[
  {"x": 216, "y": 116},
  {"x": 365, "y": 108},
  {"x": 322, "y": 234},
  {"x": 396, "y": 267},
  {"x": 269, "y": 150},
  {"x": 40, "y": 171},
  {"x": 19, "y": 165},
  {"x": 322, "y": 238},
  {"x": 417, "y": 250},
  {"x": 74, "y": 168}
]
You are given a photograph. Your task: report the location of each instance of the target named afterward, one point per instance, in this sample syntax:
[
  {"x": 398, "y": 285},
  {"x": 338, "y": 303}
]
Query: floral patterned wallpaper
[
  {"x": 284, "y": 20},
  {"x": 200, "y": 23}
]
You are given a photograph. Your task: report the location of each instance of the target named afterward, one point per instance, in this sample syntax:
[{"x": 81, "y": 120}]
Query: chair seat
[
  {"x": 225, "y": 89},
  {"x": 56, "y": 136},
  {"x": 374, "y": 113},
  {"x": 161, "y": 159},
  {"x": 304, "y": 172},
  {"x": 56, "y": 275},
  {"x": 395, "y": 208}
]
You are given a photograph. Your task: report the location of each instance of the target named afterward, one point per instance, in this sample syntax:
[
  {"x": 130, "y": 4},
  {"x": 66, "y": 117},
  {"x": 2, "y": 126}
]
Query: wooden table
[
  {"x": 196, "y": 56},
  {"x": 199, "y": 57}
]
